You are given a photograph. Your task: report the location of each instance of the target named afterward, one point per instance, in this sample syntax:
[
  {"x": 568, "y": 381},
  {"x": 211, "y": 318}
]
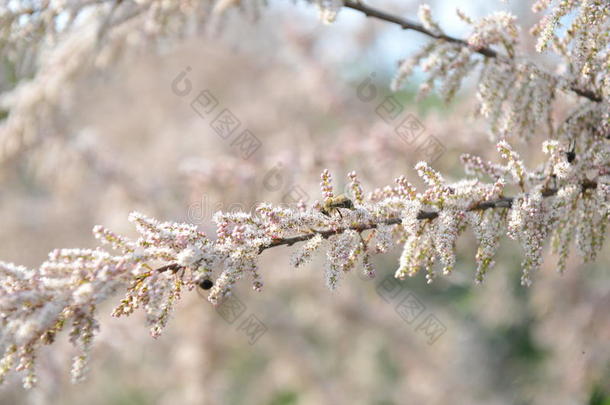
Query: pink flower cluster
[{"x": 170, "y": 257}]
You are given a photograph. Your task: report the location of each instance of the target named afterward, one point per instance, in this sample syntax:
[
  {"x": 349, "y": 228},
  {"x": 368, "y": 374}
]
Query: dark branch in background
[
  {"x": 410, "y": 25},
  {"x": 505, "y": 202}
]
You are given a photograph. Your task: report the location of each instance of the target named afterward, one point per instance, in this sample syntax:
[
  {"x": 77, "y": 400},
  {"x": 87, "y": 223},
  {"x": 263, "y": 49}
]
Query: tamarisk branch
[
  {"x": 505, "y": 202},
  {"x": 410, "y": 25}
]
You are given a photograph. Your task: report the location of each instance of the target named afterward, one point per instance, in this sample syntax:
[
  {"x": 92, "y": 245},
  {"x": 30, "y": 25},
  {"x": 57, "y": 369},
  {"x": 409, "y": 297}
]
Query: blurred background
[{"x": 130, "y": 142}]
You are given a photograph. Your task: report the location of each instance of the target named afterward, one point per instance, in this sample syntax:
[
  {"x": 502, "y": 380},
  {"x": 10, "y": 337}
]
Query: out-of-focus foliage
[{"x": 123, "y": 141}]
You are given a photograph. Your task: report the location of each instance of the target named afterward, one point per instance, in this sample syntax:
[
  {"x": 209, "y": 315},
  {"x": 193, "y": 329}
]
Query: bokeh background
[{"x": 130, "y": 143}]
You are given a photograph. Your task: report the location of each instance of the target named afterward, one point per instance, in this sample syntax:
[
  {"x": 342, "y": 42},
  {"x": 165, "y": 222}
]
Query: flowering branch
[
  {"x": 410, "y": 25},
  {"x": 566, "y": 200},
  {"x": 36, "y": 304},
  {"x": 504, "y": 202}
]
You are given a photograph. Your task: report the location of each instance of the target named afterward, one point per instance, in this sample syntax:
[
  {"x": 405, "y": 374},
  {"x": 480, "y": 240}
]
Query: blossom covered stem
[
  {"x": 410, "y": 25},
  {"x": 504, "y": 202}
]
